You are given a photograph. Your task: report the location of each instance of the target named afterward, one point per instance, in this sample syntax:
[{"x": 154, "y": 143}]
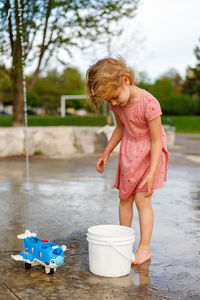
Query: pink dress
[{"x": 135, "y": 150}]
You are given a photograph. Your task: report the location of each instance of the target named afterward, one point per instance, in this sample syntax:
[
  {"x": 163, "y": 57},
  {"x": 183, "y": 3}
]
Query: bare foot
[{"x": 141, "y": 256}]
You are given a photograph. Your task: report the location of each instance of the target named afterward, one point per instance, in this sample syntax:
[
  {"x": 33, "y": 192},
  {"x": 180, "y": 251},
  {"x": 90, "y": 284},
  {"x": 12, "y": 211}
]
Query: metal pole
[{"x": 62, "y": 106}]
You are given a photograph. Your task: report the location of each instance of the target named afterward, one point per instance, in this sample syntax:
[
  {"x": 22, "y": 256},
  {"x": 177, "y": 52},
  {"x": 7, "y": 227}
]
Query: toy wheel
[
  {"x": 51, "y": 271},
  {"x": 27, "y": 266}
]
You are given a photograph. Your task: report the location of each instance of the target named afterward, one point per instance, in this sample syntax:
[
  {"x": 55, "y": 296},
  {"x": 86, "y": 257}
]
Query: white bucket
[{"x": 110, "y": 250}]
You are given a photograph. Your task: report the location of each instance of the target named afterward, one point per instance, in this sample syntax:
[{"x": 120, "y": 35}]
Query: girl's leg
[
  {"x": 126, "y": 211},
  {"x": 146, "y": 219}
]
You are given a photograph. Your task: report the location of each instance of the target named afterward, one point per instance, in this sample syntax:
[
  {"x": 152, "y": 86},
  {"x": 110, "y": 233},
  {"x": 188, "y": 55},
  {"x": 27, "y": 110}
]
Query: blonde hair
[{"x": 106, "y": 76}]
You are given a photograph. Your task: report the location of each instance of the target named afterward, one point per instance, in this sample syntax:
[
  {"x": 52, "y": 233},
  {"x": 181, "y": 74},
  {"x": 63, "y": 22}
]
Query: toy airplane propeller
[{"x": 40, "y": 252}]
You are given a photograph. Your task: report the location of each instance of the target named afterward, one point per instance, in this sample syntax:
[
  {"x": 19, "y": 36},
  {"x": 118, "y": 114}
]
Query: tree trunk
[
  {"x": 17, "y": 75},
  {"x": 18, "y": 101}
]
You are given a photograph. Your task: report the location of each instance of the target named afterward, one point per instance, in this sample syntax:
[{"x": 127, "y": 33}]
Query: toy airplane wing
[
  {"x": 28, "y": 259},
  {"x": 26, "y": 234},
  {"x": 17, "y": 257}
]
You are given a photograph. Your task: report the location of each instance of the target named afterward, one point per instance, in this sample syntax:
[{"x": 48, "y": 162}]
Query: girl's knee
[
  {"x": 142, "y": 202},
  {"x": 143, "y": 206},
  {"x": 127, "y": 202}
]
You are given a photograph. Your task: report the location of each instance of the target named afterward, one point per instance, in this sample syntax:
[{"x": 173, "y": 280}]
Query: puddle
[{"x": 63, "y": 198}]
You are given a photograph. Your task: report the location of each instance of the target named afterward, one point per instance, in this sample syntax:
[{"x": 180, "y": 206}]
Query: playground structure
[
  {"x": 69, "y": 97},
  {"x": 106, "y": 111}
]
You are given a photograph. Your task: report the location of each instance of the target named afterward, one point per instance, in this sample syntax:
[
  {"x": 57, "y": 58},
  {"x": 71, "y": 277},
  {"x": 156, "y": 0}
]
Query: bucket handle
[{"x": 126, "y": 256}]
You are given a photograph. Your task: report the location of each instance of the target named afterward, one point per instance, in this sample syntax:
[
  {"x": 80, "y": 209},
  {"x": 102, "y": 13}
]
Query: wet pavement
[{"x": 65, "y": 197}]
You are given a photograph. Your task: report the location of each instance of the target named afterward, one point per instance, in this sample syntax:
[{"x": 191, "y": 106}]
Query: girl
[{"x": 143, "y": 156}]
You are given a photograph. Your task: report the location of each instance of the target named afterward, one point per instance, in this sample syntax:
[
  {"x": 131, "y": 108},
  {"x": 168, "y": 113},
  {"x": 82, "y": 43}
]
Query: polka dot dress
[{"x": 135, "y": 150}]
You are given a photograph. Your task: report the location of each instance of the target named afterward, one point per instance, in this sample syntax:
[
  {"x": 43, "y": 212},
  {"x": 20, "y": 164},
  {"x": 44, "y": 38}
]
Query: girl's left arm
[{"x": 155, "y": 131}]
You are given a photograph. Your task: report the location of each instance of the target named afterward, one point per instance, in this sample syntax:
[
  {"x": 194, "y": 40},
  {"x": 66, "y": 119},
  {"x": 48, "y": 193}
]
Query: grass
[
  {"x": 183, "y": 124},
  {"x": 54, "y": 120}
]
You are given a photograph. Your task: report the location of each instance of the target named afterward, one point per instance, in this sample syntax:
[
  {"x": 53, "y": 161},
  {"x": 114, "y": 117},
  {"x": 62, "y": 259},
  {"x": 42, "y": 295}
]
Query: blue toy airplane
[{"x": 40, "y": 252}]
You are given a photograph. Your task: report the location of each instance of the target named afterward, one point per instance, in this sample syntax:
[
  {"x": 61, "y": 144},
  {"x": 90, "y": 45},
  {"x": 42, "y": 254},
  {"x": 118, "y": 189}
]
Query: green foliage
[
  {"x": 38, "y": 152},
  {"x": 192, "y": 82},
  {"x": 171, "y": 97},
  {"x": 48, "y": 87},
  {"x": 44, "y": 27},
  {"x": 32, "y": 99},
  {"x": 60, "y": 24},
  {"x": 180, "y": 104},
  {"x": 73, "y": 84},
  {"x": 6, "y": 89},
  {"x": 53, "y": 85},
  {"x": 143, "y": 78},
  {"x": 162, "y": 88}
]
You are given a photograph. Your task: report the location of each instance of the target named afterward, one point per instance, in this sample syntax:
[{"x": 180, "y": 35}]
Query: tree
[
  {"x": 48, "y": 89},
  {"x": 162, "y": 88},
  {"x": 143, "y": 78},
  {"x": 171, "y": 98},
  {"x": 6, "y": 91},
  {"x": 51, "y": 86},
  {"x": 192, "y": 82},
  {"x": 32, "y": 99},
  {"x": 50, "y": 24},
  {"x": 176, "y": 79},
  {"x": 72, "y": 82}
]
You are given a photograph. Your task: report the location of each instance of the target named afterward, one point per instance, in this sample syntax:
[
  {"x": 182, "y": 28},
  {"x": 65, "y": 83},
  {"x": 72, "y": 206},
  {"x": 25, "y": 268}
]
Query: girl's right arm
[{"x": 113, "y": 142}]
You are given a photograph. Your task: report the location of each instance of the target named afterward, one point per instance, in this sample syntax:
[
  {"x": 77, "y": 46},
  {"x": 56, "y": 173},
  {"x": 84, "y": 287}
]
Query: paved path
[
  {"x": 186, "y": 149},
  {"x": 65, "y": 197}
]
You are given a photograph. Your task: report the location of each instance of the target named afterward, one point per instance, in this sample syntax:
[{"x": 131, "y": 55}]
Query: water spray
[{"x": 24, "y": 87}]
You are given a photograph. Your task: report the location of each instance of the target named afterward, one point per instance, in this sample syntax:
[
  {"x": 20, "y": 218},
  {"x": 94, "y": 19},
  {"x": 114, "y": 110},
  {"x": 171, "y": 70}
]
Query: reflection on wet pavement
[{"x": 63, "y": 199}]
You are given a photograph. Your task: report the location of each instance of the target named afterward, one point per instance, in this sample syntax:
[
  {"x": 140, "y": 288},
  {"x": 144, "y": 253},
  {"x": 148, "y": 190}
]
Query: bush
[
  {"x": 180, "y": 104},
  {"x": 171, "y": 100},
  {"x": 32, "y": 99}
]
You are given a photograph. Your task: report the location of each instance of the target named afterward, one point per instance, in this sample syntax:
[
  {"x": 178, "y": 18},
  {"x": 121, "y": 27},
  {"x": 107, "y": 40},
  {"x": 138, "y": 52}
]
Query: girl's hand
[
  {"x": 101, "y": 164},
  {"x": 149, "y": 181}
]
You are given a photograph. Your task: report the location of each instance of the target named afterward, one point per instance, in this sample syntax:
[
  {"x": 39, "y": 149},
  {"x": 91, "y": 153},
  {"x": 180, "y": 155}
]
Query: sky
[{"x": 163, "y": 35}]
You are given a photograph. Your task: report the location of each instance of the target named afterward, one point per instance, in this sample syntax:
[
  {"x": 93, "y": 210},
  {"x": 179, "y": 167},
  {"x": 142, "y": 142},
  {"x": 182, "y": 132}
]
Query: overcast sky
[{"x": 163, "y": 35}]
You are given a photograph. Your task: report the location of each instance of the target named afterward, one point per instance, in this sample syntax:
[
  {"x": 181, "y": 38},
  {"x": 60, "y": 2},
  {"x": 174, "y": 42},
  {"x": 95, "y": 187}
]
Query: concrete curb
[{"x": 61, "y": 141}]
